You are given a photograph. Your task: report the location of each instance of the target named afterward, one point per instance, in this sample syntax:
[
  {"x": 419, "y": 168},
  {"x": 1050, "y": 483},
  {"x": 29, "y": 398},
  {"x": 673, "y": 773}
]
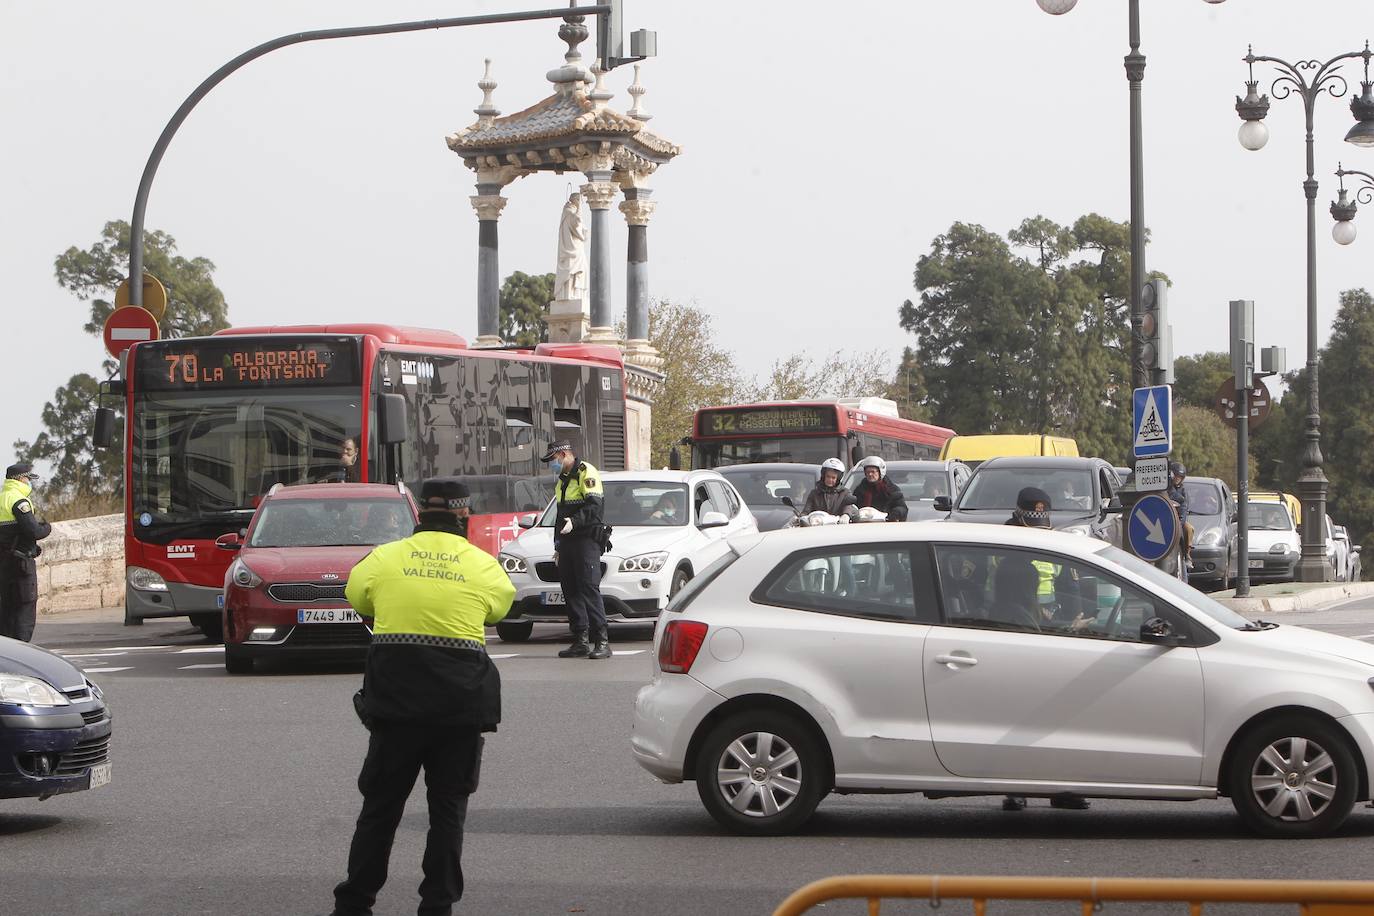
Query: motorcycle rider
[
  {"x": 876, "y": 491},
  {"x": 828, "y": 496},
  {"x": 1177, "y": 495}
]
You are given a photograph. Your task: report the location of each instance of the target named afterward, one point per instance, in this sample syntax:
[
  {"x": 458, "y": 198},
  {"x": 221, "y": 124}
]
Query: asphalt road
[{"x": 236, "y": 795}]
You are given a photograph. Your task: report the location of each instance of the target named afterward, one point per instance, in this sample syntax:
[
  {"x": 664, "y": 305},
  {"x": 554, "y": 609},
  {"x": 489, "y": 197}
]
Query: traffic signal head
[{"x": 1154, "y": 327}]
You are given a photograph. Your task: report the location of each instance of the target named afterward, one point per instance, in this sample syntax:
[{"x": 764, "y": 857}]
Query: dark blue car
[{"x": 54, "y": 725}]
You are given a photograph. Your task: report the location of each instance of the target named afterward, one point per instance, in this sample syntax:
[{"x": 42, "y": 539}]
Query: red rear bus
[
  {"x": 808, "y": 432},
  {"x": 213, "y": 422}
]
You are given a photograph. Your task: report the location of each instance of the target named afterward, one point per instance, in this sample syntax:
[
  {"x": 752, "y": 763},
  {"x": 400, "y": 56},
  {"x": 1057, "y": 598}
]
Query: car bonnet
[{"x": 21, "y": 658}]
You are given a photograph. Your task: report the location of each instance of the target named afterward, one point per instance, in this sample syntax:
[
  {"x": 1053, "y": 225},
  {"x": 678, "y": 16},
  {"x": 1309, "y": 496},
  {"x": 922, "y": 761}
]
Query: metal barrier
[{"x": 1316, "y": 898}]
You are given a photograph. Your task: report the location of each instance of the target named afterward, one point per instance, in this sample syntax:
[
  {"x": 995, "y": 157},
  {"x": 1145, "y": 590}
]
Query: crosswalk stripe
[
  {"x": 95, "y": 655},
  {"x": 628, "y": 652},
  {"x": 200, "y": 649},
  {"x": 197, "y": 667},
  {"x": 104, "y": 670}
]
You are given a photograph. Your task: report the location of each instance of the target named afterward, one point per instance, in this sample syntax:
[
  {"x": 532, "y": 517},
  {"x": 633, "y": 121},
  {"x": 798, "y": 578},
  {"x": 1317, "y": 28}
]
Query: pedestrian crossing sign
[{"x": 1153, "y": 414}]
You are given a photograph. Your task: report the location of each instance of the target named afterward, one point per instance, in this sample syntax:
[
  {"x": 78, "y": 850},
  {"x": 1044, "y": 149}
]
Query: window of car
[
  {"x": 1268, "y": 517},
  {"x": 705, "y": 501},
  {"x": 1003, "y": 588},
  {"x": 767, "y": 487},
  {"x": 723, "y": 497},
  {"x": 1203, "y": 498},
  {"x": 635, "y": 503},
  {"x": 997, "y": 487},
  {"x": 874, "y": 581},
  {"x": 331, "y": 522}
]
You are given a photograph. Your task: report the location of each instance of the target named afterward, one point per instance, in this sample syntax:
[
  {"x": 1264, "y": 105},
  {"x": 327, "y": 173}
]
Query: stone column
[
  {"x": 599, "y": 192},
  {"x": 488, "y": 203},
  {"x": 637, "y": 209}
]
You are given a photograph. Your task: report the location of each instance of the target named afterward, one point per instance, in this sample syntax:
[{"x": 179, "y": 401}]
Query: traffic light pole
[{"x": 145, "y": 183}]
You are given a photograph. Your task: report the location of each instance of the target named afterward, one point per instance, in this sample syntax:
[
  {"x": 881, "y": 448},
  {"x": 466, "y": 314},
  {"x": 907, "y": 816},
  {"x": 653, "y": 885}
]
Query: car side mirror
[
  {"x": 787, "y": 501},
  {"x": 230, "y": 541},
  {"x": 1112, "y": 505},
  {"x": 712, "y": 520},
  {"x": 944, "y": 504},
  {"x": 102, "y": 435},
  {"x": 1159, "y": 632},
  {"x": 394, "y": 419},
  {"x": 528, "y": 520}
]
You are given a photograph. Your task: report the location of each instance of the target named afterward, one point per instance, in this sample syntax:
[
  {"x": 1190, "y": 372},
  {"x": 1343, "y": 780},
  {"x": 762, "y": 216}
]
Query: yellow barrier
[{"x": 1317, "y": 898}]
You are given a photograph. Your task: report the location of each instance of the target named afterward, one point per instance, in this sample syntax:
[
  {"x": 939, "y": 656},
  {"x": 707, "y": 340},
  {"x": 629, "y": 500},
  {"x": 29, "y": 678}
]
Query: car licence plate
[
  {"x": 328, "y": 615},
  {"x": 552, "y": 598},
  {"x": 1257, "y": 564},
  {"x": 100, "y": 775}
]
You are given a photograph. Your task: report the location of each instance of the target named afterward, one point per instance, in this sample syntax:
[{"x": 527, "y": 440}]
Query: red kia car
[{"x": 284, "y": 592}]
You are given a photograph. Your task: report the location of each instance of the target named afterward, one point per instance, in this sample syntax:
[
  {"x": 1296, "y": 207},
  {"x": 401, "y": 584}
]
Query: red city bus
[
  {"x": 808, "y": 432},
  {"x": 213, "y": 422}
]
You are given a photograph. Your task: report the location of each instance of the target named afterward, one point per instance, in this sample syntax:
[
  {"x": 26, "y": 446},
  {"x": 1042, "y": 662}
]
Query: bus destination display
[
  {"x": 229, "y": 363},
  {"x": 768, "y": 420}
]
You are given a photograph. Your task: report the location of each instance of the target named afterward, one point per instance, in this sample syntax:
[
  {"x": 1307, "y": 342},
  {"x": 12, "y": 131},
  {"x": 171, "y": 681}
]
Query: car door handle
[{"x": 954, "y": 661}]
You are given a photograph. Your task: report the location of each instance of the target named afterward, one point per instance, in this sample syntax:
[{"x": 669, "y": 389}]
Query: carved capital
[
  {"x": 644, "y": 355},
  {"x": 491, "y": 173},
  {"x": 589, "y": 158},
  {"x": 599, "y": 195},
  {"x": 630, "y": 174},
  {"x": 637, "y": 211},
  {"x": 488, "y": 206}
]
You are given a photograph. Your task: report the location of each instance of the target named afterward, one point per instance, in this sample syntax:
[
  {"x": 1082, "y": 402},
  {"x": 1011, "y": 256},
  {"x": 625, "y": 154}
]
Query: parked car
[
  {"x": 54, "y": 725},
  {"x": 1212, "y": 513},
  {"x": 929, "y": 658},
  {"x": 922, "y": 483},
  {"x": 1337, "y": 553},
  {"x": 762, "y": 487},
  {"x": 284, "y": 592},
  {"x": 1082, "y": 494},
  {"x": 653, "y": 554},
  {"x": 1273, "y": 546},
  {"x": 1352, "y": 554}
]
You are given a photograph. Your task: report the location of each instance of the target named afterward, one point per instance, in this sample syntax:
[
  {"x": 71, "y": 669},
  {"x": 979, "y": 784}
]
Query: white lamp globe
[
  {"x": 1343, "y": 232},
  {"x": 1253, "y": 135},
  {"x": 1057, "y": 7}
]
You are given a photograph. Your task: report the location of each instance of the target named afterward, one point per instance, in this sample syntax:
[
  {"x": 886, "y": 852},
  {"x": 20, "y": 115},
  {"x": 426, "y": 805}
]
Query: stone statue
[{"x": 570, "y": 282}]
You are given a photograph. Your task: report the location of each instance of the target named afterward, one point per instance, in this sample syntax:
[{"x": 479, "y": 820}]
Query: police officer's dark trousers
[
  {"x": 18, "y": 595},
  {"x": 579, "y": 572},
  {"x": 451, "y": 757}
]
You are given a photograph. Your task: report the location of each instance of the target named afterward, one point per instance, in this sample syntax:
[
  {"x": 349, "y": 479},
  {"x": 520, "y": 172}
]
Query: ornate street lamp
[
  {"x": 1343, "y": 208},
  {"x": 1135, "y": 73},
  {"x": 1310, "y": 79}
]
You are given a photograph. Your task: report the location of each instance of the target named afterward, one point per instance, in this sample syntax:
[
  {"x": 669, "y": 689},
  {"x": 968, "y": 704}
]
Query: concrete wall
[{"x": 82, "y": 565}]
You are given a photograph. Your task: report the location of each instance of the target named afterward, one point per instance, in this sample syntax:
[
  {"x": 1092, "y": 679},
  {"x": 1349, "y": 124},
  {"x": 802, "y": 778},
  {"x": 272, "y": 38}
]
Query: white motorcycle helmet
[
  {"x": 833, "y": 464},
  {"x": 873, "y": 461}
]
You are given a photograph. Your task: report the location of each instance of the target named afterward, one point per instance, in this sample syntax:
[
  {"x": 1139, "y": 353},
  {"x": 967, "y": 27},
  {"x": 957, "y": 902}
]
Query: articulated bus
[
  {"x": 808, "y": 432},
  {"x": 214, "y": 422}
]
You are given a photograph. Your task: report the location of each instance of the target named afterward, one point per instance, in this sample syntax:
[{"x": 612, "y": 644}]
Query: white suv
[
  {"x": 976, "y": 659},
  {"x": 667, "y": 526}
]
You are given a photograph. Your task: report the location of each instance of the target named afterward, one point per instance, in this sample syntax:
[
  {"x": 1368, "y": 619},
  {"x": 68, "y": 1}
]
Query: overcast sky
[{"x": 824, "y": 147}]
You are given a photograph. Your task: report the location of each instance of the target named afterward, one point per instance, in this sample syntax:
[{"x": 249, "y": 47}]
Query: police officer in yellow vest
[
  {"x": 578, "y": 537},
  {"x": 429, "y": 692},
  {"x": 20, "y": 532}
]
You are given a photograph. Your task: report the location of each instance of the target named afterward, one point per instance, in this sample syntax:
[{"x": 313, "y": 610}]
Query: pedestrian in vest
[
  {"x": 578, "y": 535},
  {"x": 429, "y": 693},
  {"x": 20, "y": 532}
]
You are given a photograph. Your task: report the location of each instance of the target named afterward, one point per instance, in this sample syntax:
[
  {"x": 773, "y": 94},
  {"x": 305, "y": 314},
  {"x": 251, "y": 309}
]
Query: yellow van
[
  {"x": 972, "y": 450},
  {"x": 1288, "y": 499}
]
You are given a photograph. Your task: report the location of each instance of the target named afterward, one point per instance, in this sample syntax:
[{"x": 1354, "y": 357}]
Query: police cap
[
  {"x": 562, "y": 445},
  {"x": 21, "y": 469},
  {"x": 1029, "y": 496},
  {"x": 443, "y": 493}
]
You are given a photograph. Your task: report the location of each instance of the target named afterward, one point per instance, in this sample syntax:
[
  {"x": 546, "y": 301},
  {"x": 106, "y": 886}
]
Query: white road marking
[
  {"x": 104, "y": 670},
  {"x": 1366, "y": 636},
  {"x": 198, "y": 667},
  {"x": 200, "y": 649},
  {"x": 95, "y": 655},
  {"x": 128, "y": 648},
  {"x": 629, "y": 652},
  {"x": 508, "y": 655}
]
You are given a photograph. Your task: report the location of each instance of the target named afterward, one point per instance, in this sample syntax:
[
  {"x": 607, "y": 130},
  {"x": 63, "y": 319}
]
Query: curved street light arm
[
  {"x": 1365, "y": 192},
  {"x": 145, "y": 183}
]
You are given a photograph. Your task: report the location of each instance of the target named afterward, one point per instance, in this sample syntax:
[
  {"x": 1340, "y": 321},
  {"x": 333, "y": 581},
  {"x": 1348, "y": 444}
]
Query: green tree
[
  {"x": 698, "y": 372},
  {"x": 525, "y": 302},
  {"x": 1347, "y": 406},
  {"x": 1205, "y": 445},
  {"x": 804, "y": 377},
  {"x": 1197, "y": 378},
  {"x": 64, "y": 445},
  {"x": 908, "y": 387}
]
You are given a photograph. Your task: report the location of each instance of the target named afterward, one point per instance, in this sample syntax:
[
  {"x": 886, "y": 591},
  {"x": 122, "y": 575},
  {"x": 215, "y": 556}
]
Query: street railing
[{"x": 1316, "y": 898}]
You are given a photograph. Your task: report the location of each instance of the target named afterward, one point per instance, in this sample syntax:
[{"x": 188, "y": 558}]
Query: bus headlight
[
  {"x": 645, "y": 562},
  {"x": 145, "y": 580},
  {"x": 513, "y": 564},
  {"x": 243, "y": 576}
]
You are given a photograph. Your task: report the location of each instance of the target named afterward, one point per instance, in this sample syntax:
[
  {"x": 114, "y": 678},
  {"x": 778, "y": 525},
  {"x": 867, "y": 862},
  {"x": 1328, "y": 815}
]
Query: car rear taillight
[{"x": 682, "y": 640}]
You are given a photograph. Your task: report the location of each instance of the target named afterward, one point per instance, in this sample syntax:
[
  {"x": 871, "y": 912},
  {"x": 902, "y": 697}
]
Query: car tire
[
  {"x": 211, "y": 625},
  {"x": 742, "y": 802},
  {"x": 514, "y": 630},
  {"x": 234, "y": 663},
  {"x": 1276, "y": 800},
  {"x": 680, "y": 580}
]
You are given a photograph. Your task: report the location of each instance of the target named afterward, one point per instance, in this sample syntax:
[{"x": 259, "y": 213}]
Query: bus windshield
[
  {"x": 203, "y": 460},
  {"x": 709, "y": 453}
]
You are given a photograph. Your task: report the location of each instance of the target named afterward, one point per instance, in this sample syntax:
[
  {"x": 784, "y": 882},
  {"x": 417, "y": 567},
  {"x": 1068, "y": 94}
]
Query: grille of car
[
  {"x": 92, "y": 716},
  {"x": 84, "y": 756},
  {"x": 297, "y": 592},
  {"x": 548, "y": 571},
  {"x": 77, "y": 694},
  {"x": 332, "y": 634}
]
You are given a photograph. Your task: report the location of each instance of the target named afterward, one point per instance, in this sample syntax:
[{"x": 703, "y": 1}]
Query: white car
[
  {"x": 1273, "y": 545},
  {"x": 977, "y": 659},
  {"x": 660, "y": 539}
]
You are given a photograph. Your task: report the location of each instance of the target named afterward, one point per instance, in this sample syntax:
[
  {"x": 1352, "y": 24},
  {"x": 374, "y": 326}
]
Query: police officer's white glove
[{"x": 567, "y": 527}]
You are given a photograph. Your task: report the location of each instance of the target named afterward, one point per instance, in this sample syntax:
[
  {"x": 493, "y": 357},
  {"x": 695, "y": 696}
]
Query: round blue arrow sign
[{"x": 1153, "y": 528}]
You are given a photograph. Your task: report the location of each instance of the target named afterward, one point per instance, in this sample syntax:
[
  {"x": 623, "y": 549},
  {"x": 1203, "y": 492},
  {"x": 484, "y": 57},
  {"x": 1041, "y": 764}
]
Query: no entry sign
[{"x": 127, "y": 326}]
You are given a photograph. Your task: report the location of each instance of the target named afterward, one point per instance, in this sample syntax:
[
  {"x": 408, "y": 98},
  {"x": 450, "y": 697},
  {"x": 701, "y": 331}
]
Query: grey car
[
  {"x": 1082, "y": 491},
  {"x": 922, "y": 483},
  {"x": 762, "y": 487},
  {"x": 1212, "y": 513}
]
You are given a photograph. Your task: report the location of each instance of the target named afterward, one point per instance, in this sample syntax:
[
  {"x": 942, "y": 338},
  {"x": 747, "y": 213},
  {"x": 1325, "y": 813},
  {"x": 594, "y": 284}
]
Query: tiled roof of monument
[{"x": 560, "y": 117}]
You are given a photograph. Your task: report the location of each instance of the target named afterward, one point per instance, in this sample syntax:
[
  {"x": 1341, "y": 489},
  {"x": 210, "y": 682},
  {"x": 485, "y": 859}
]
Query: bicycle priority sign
[{"x": 1152, "y": 420}]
